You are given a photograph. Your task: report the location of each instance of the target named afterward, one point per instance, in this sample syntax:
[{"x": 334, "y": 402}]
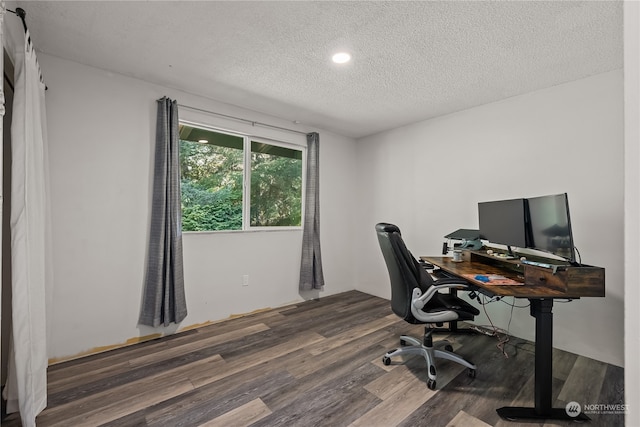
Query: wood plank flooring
[{"x": 317, "y": 363}]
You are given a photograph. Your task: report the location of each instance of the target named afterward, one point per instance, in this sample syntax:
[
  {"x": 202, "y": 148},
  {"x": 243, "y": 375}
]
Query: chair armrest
[
  {"x": 419, "y": 299},
  {"x": 418, "y": 302},
  {"x": 452, "y": 281}
]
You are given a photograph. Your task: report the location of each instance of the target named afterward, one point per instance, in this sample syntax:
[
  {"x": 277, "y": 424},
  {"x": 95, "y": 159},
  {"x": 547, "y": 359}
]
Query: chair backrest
[{"x": 405, "y": 273}]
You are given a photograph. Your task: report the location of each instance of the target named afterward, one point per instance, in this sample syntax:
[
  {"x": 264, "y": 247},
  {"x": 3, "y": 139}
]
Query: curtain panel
[
  {"x": 26, "y": 388},
  {"x": 163, "y": 300},
  {"x": 311, "y": 276}
]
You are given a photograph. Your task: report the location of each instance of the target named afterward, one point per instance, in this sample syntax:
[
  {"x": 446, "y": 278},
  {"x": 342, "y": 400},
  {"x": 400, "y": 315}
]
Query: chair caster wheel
[
  {"x": 471, "y": 373},
  {"x": 386, "y": 360},
  {"x": 448, "y": 347},
  {"x": 431, "y": 384}
]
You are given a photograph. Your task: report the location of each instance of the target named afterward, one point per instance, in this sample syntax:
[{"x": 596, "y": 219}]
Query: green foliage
[
  {"x": 204, "y": 210},
  {"x": 212, "y": 188},
  {"x": 276, "y": 190}
]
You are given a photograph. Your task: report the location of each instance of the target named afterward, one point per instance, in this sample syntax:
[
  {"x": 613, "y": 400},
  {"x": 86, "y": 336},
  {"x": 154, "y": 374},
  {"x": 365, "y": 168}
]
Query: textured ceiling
[{"x": 411, "y": 60}]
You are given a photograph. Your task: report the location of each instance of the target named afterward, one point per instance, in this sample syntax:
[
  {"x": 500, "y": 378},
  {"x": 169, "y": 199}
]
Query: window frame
[{"x": 247, "y": 138}]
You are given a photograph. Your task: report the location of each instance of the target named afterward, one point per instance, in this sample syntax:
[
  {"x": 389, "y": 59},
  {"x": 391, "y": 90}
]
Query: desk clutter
[
  {"x": 492, "y": 279},
  {"x": 531, "y": 278}
]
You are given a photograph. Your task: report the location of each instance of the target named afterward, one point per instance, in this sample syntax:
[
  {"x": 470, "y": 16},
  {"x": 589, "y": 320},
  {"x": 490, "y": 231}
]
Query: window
[{"x": 236, "y": 182}]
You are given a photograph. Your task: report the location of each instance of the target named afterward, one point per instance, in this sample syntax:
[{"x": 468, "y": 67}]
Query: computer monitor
[
  {"x": 550, "y": 225},
  {"x": 504, "y": 222}
]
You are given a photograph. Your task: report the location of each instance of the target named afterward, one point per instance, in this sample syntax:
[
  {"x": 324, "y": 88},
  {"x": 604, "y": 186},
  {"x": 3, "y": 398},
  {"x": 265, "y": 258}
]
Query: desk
[{"x": 541, "y": 287}]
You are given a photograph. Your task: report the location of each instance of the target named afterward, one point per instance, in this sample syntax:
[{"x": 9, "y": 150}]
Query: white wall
[
  {"x": 632, "y": 207},
  {"x": 428, "y": 178},
  {"x": 101, "y": 135}
]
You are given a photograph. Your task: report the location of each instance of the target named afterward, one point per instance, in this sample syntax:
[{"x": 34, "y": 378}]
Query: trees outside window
[
  {"x": 276, "y": 186},
  {"x": 234, "y": 182}
]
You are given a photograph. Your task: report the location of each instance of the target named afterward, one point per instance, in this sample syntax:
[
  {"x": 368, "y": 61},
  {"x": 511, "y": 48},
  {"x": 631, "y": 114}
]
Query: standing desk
[{"x": 541, "y": 286}]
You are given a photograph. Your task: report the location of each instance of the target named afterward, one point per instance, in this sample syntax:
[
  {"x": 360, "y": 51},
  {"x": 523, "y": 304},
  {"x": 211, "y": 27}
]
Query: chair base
[{"x": 442, "y": 349}]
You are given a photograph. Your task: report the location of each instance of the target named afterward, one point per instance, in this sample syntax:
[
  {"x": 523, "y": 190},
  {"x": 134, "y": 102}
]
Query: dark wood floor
[{"x": 317, "y": 363}]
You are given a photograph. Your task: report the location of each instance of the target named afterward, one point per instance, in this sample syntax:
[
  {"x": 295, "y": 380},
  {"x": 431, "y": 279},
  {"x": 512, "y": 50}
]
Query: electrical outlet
[{"x": 245, "y": 280}]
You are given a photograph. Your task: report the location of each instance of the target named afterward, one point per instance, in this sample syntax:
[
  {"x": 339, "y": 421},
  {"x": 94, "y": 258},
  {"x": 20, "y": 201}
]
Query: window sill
[{"x": 251, "y": 230}]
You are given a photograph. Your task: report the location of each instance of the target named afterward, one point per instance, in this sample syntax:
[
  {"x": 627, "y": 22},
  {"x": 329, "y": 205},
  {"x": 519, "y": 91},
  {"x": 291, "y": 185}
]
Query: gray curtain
[
  {"x": 311, "y": 266},
  {"x": 163, "y": 300}
]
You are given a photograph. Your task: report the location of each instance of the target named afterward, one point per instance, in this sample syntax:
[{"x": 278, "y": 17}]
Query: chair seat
[{"x": 465, "y": 310}]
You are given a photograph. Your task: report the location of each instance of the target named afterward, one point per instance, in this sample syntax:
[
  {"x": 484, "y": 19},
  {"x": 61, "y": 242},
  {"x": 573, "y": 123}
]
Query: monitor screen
[
  {"x": 550, "y": 225},
  {"x": 503, "y": 222}
]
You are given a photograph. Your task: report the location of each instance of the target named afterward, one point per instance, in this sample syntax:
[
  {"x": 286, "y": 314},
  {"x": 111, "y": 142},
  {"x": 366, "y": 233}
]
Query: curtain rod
[
  {"x": 22, "y": 14},
  {"x": 251, "y": 122}
]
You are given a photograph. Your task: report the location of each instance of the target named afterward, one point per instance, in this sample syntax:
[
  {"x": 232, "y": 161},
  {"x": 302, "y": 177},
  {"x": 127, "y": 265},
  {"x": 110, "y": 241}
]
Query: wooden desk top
[{"x": 546, "y": 284}]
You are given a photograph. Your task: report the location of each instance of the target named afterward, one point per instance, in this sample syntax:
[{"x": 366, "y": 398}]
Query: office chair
[{"x": 415, "y": 298}]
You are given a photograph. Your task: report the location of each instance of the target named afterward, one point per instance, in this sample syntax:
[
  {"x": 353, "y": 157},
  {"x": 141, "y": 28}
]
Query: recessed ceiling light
[{"x": 341, "y": 57}]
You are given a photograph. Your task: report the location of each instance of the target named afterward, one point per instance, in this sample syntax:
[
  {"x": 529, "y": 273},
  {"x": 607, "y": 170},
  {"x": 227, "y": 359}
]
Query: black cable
[
  {"x": 495, "y": 331},
  {"x": 513, "y": 304},
  {"x": 575, "y": 248}
]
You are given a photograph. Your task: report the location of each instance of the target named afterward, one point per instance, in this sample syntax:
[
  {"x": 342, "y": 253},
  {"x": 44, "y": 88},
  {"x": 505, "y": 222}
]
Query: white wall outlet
[{"x": 245, "y": 280}]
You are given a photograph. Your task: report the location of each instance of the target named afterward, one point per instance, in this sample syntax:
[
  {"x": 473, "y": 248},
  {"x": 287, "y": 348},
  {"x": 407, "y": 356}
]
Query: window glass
[
  {"x": 276, "y": 185},
  {"x": 213, "y": 176}
]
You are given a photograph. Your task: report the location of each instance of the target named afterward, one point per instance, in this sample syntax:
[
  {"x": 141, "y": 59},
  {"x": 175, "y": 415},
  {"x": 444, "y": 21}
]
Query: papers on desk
[{"x": 492, "y": 279}]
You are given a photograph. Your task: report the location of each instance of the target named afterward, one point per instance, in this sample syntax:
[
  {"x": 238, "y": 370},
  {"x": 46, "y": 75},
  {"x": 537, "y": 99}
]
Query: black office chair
[{"x": 415, "y": 298}]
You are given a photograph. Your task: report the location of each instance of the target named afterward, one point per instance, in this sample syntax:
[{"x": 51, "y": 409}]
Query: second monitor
[{"x": 503, "y": 222}]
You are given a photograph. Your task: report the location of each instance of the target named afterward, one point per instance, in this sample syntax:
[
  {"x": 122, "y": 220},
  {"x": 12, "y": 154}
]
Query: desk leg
[{"x": 541, "y": 309}]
